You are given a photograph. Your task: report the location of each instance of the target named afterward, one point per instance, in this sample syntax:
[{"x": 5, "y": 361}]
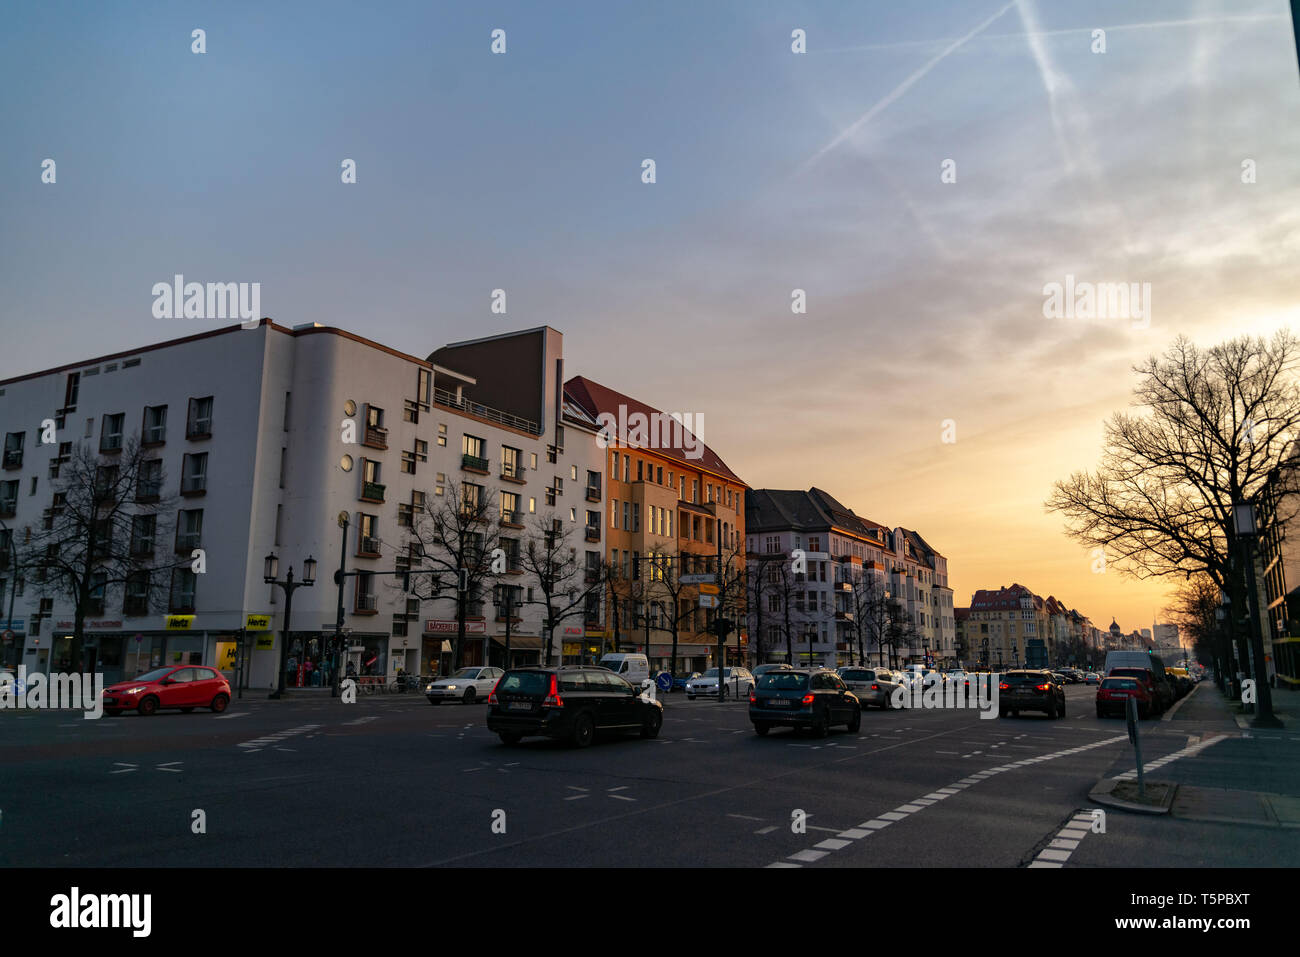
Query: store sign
[
  {"x": 90, "y": 625},
  {"x": 226, "y": 651},
  {"x": 442, "y": 626},
  {"x": 572, "y": 630},
  {"x": 179, "y": 622},
  {"x": 14, "y": 624},
  {"x": 258, "y": 622},
  {"x": 265, "y": 642}
]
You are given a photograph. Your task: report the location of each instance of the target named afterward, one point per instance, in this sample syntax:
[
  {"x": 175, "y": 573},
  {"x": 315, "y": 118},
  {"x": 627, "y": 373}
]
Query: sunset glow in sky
[{"x": 775, "y": 171}]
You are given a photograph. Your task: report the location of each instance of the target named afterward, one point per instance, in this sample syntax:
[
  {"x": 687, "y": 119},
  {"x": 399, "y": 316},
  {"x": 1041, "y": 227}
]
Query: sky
[{"x": 774, "y": 171}]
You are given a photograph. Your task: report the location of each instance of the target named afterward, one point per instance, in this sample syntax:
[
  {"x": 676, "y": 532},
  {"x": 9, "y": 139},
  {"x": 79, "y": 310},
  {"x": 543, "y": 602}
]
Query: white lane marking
[
  {"x": 766, "y": 830},
  {"x": 745, "y": 817},
  {"x": 884, "y": 820},
  {"x": 1066, "y": 841},
  {"x": 233, "y": 714}
]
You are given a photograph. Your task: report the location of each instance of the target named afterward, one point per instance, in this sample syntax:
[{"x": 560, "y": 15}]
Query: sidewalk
[{"x": 1233, "y": 774}]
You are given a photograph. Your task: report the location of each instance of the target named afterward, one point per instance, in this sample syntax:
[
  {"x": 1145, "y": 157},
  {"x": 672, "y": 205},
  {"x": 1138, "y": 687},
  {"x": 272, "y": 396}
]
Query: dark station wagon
[
  {"x": 571, "y": 704},
  {"x": 801, "y": 699}
]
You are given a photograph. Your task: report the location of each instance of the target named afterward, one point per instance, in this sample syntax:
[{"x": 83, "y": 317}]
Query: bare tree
[
  {"x": 1217, "y": 423},
  {"x": 872, "y": 612},
  {"x": 759, "y": 574},
  {"x": 104, "y": 530},
  {"x": 455, "y": 537},
  {"x": 1192, "y": 609},
  {"x": 563, "y": 581}
]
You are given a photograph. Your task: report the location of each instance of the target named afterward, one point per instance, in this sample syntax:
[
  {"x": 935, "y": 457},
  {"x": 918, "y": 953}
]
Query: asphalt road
[{"x": 397, "y": 782}]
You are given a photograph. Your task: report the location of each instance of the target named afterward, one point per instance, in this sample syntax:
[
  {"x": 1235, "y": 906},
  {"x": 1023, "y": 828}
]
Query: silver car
[
  {"x": 873, "y": 686},
  {"x": 467, "y": 685},
  {"x": 736, "y": 682}
]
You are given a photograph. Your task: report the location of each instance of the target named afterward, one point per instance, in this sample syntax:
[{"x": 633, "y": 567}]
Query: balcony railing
[
  {"x": 372, "y": 491},
  {"x": 447, "y": 400},
  {"x": 376, "y": 437},
  {"x": 593, "y": 494},
  {"x": 187, "y": 541},
  {"x": 194, "y": 485},
  {"x": 365, "y": 603},
  {"x": 473, "y": 463},
  {"x": 111, "y": 443},
  {"x": 13, "y": 460},
  {"x": 512, "y": 473},
  {"x": 155, "y": 435},
  {"x": 512, "y": 517},
  {"x": 198, "y": 429},
  {"x": 369, "y": 545},
  {"x": 148, "y": 491}
]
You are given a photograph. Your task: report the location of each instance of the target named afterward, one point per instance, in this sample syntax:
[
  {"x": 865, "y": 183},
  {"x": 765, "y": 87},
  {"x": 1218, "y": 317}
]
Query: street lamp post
[
  {"x": 289, "y": 586},
  {"x": 13, "y": 590},
  {"x": 1243, "y": 514}
]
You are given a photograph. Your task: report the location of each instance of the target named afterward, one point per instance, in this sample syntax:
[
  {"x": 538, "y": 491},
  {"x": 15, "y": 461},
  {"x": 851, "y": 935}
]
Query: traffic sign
[
  {"x": 664, "y": 680},
  {"x": 696, "y": 579},
  {"x": 707, "y": 588},
  {"x": 708, "y": 601},
  {"x": 9, "y": 636}
]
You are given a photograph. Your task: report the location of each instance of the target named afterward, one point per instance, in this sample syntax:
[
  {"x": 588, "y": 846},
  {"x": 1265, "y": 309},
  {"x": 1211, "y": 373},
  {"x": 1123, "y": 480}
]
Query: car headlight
[
  {"x": 133, "y": 690},
  {"x": 451, "y": 687}
]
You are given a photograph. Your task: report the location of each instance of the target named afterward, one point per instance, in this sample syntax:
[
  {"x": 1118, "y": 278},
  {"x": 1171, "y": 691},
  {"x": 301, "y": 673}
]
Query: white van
[{"x": 634, "y": 668}]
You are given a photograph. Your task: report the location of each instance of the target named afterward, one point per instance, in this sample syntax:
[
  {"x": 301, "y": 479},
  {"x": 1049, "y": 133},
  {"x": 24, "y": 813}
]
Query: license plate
[
  {"x": 778, "y": 703},
  {"x": 520, "y": 706}
]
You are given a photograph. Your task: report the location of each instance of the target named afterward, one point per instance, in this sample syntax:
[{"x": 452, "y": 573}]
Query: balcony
[
  {"x": 375, "y": 437},
  {"x": 512, "y": 518},
  {"x": 13, "y": 459},
  {"x": 135, "y": 605},
  {"x": 8, "y": 508},
  {"x": 372, "y": 492},
  {"x": 111, "y": 443},
  {"x": 513, "y": 473},
  {"x": 369, "y": 547},
  {"x": 592, "y": 533},
  {"x": 593, "y": 494},
  {"x": 591, "y": 575},
  {"x": 365, "y": 605},
  {"x": 449, "y": 401},
  {"x": 472, "y": 463},
  {"x": 187, "y": 541}
]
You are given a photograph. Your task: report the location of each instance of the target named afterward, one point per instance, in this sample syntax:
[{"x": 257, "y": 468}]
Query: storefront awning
[{"x": 519, "y": 642}]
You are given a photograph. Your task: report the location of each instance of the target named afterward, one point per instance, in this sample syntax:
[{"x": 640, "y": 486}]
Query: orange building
[{"x": 673, "y": 505}]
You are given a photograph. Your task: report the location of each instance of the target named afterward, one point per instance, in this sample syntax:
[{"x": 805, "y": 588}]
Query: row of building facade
[{"x": 265, "y": 440}]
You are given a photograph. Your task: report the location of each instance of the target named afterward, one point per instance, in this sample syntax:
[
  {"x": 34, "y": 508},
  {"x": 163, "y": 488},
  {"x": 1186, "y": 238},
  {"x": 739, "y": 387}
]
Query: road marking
[
  {"x": 235, "y": 714},
  {"x": 124, "y": 768},
  {"x": 577, "y": 797},
  {"x": 766, "y": 830},
  {"x": 1047, "y": 858},
  {"x": 1066, "y": 841},
  {"x": 745, "y": 817}
]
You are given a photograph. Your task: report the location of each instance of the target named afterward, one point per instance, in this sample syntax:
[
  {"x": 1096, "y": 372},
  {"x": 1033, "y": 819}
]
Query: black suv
[
  {"x": 569, "y": 703},
  {"x": 813, "y": 699},
  {"x": 1030, "y": 691}
]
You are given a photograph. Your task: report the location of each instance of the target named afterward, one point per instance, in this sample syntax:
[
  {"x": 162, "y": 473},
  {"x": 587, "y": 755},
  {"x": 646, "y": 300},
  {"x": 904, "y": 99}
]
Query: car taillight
[
  {"x": 875, "y": 687},
  {"x": 553, "y": 696},
  {"x": 492, "y": 695},
  {"x": 1004, "y": 686},
  {"x": 753, "y": 698},
  {"x": 807, "y": 699},
  {"x": 1047, "y": 687}
]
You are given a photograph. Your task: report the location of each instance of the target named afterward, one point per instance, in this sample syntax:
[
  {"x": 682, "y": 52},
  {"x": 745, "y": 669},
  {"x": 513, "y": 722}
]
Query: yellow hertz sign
[
  {"x": 258, "y": 623},
  {"x": 179, "y": 622}
]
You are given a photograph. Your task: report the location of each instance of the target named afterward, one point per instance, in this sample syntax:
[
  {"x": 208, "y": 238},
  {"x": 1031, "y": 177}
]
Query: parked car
[
  {"x": 1024, "y": 690},
  {"x": 761, "y": 670},
  {"x": 800, "y": 698},
  {"x": 735, "y": 681},
  {"x": 1161, "y": 692},
  {"x": 183, "y": 687},
  {"x": 467, "y": 685},
  {"x": 873, "y": 686},
  {"x": 1181, "y": 679},
  {"x": 1113, "y": 695},
  {"x": 679, "y": 682},
  {"x": 571, "y": 704},
  {"x": 632, "y": 668}
]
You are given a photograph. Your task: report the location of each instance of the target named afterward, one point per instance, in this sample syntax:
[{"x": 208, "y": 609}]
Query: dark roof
[
  {"x": 769, "y": 509},
  {"x": 594, "y": 398}
]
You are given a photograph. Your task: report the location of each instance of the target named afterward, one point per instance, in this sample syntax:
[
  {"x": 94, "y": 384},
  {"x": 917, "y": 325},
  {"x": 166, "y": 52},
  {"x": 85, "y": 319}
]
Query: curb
[
  {"x": 1168, "y": 715},
  {"x": 1101, "y": 793}
]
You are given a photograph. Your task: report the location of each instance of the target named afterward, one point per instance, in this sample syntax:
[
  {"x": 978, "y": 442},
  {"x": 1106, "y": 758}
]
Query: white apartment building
[{"x": 265, "y": 438}]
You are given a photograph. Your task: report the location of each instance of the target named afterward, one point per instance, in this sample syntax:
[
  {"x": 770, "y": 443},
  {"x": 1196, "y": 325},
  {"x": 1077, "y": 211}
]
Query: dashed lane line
[
  {"x": 865, "y": 829},
  {"x": 1065, "y": 843}
]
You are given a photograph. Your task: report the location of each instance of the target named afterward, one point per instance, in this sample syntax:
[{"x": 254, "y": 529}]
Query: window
[
  {"x": 105, "y": 483},
  {"x": 189, "y": 529},
  {"x": 442, "y": 434},
  {"x": 532, "y": 505},
  {"x": 471, "y": 498},
  {"x": 627, "y": 467},
  {"x": 636, "y": 516},
  {"x": 98, "y": 583},
  {"x": 149, "y": 486},
  {"x": 408, "y": 462},
  {"x": 184, "y": 582},
  {"x": 155, "y": 424},
  {"x": 14, "y": 450},
  {"x": 110, "y": 434},
  {"x": 376, "y": 435},
  {"x": 194, "y": 474},
  {"x": 424, "y": 388},
  {"x": 627, "y": 516},
  {"x": 9, "y": 498},
  {"x": 593, "y": 486},
  {"x": 136, "y": 594},
  {"x": 410, "y": 411},
  {"x": 510, "y": 509},
  {"x": 510, "y": 462},
  {"x": 198, "y": 424},
  {"x": 593, "y": 524},
  {"x": 472, "y": 453},
  {"x": 286, "y": 411},
  {"x": 639, "y": 465},
  {"x": 367, "y": 534},
  {"x": 72, "y": 391}
]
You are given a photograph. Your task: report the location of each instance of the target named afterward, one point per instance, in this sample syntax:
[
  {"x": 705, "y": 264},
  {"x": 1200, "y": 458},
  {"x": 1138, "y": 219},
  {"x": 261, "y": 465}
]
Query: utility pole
[{"x": 339, "y": 578}]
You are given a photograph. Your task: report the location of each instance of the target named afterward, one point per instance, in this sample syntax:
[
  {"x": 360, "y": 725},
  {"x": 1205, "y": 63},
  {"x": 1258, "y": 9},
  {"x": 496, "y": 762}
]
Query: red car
[
  {"x": 1113, "y": 695},
  {"x": 183, "y": 686}
]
